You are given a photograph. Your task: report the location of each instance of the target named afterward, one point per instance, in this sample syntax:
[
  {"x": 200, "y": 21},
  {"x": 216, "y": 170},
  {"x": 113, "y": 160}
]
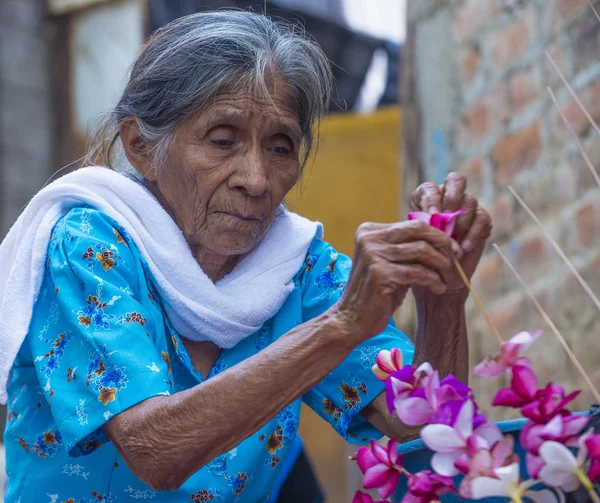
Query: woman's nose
[{"x": 251, "y": 175}]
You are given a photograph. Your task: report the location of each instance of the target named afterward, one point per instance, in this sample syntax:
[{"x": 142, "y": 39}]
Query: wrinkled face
[{"x": 229, "y": 169}]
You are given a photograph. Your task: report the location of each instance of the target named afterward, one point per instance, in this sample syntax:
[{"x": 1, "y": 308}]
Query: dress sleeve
[
  {"x": 342, "y": 394},
  {"x": 95, "y": 348}
]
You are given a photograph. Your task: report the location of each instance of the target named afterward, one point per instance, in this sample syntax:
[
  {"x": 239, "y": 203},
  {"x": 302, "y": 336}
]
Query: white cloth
[{"x": 200, "y": 310}]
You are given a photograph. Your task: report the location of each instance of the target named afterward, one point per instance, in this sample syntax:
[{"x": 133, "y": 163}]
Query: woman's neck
[{"x": 216, "y": 267}]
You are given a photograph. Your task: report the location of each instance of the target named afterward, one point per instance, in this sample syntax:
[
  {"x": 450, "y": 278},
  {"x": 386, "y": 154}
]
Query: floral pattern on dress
[{"x": 103, "y": 344}]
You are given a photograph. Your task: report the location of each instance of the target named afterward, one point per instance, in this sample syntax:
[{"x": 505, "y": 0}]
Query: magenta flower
[
  {"x": 419, "y": 397},
  {"x": 522, "y": 391},
  {"x": 592, "y": 444},
  {"x": 450, "y": 443},
  {"x": 388, "y": 362},
  {"x": 510, "y": 355},
  {"x": 425, "y": 486},
  {"x": 562, "y": 429},
  {"x": 442, "y": 221},
  {"x": 361, "y": 497},
  {"x": 549, "y": 402},
  {"x": 381, "y": 467}
]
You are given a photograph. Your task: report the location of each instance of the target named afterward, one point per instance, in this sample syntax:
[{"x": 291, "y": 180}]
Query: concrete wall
[
  {"x": 26, "y": 151},
  {"x": 480, "y": 77}
]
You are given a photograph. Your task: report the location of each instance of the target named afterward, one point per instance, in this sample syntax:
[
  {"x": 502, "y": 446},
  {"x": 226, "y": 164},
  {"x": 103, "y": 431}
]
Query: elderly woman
[{"x": 167, "y": 317}]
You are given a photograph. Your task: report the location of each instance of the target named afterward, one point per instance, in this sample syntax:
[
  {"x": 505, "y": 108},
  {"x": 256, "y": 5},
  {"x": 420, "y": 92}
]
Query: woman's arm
[{"x": 164, "y": 440}]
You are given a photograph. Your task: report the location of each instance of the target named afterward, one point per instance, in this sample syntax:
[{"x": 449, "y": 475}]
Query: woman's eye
[
  {"x": 281, "y": 150},
  {"x": 223, "y": 142}
]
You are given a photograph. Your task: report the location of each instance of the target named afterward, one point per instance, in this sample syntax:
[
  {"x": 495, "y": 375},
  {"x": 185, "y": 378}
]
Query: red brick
[
  {"x": 503, "y": 215},
  {"x": 531, "y": 249},
  {"x": 469, "y": 63},
  {"x": 483, "y": 116},
  {"x": 590, "y": 97},
  {"x": 489, "y": 274},
  {"x": 511, "y": 42},
  {"x": 587, "y": 224},
  {"x": 517, "y": 151},
  {"x": 524, "y": 88}
]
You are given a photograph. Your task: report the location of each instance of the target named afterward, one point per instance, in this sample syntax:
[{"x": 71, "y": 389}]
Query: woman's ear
[{"x": 136, "y": 150}]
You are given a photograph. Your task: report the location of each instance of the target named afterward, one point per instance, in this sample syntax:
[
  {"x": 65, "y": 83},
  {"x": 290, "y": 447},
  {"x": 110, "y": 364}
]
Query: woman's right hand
[{"x": 388, "y": 260}]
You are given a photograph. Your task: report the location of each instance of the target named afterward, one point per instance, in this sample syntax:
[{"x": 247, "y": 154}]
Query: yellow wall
[{"x": 355, "y": 178}]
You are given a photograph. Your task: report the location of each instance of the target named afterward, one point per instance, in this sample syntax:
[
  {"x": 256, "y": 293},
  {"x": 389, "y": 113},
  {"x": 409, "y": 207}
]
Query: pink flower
[
  {"x": 451, "y": 442},
  {"x": 484, "y": 462},
  {"x": 562, "y": 429},
  {"x": 419, "y": 397},
  {"x": 361, "y": 497},
  {"x": 522, "y": 391},
  {"x": 592, "y": 444},
  {"x": 387, "y": 362},
  {"x": 549, "y": 402},
  {"x": 510, "y": 355},
  {"x": 425, "y": 486},
  {"x": 442, "y": 221},
  {"x": 381, "y": 467}
]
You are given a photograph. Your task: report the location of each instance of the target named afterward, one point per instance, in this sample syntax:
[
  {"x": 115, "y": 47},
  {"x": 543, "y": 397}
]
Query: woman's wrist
[{"x": 451, "y": 298}]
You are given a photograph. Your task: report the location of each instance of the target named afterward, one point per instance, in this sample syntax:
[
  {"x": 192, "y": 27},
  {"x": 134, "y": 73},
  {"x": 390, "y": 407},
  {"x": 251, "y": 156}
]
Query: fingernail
[
  {"x": 456, "y": 249},
  {"x": 440, "y": 289},
  {"x": 467, "y": 245}
]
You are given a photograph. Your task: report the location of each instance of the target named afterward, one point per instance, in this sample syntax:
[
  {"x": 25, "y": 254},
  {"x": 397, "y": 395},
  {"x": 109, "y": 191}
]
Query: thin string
[
  {"x": 477, "y": 300},
  {"x": 562, "y": 255},
  {"x": 552, "y": 326},
  {"x": 575, "y": 97},
  {"x": 586, "y": 158}
]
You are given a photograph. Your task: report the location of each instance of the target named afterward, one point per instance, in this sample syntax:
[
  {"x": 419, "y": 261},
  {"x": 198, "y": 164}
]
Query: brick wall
[{"x": 478, "y": 83}]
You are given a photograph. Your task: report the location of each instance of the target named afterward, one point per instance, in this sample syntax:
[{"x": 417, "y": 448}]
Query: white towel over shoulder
[{"x": 224, "y": 313}]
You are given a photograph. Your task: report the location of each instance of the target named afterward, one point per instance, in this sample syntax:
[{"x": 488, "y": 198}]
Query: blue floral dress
[{"x": 100, "y": 342}]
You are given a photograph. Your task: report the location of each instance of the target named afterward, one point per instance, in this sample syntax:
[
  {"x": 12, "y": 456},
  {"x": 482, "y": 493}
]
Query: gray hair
[{"x": 189, "y": 61}]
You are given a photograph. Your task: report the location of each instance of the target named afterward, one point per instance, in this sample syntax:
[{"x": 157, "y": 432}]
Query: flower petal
[
  {"x": 464, "y": 420},
  {"x": 490, "y": 433},
  {"x": 377, "y": 476},
  {"x": 508, "y": 474},
  {"x": 443, "y": 463},
  {"x": 380, "y": 374},
  {"x": 487, "y": 487},
  {"x": 397, "y": 358},
  {"x": 384, "y": 361},
  {"x": 534, "y": 465},
  {"x": 413, "y": 411},
  {"x": 387, "y": 489},
  {"x": 492, "y": 366},
  {"x": 365, "y": 459},
  {"x": 555, "y": 453},
  {"x": 420, "y": 215},
  {"x": 524, "y": 382},
  {"x": 593, "y": 445},
  {"x": 442, "y": 438},
  {"x": 506, "y": 397}
]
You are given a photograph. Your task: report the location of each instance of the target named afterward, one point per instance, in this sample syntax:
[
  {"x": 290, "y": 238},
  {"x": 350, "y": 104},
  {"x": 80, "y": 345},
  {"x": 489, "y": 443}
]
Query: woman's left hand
[{"x": 473, "y": 227}]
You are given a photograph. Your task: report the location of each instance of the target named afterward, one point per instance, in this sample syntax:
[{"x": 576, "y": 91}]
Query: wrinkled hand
[
  {"x": 388, "y": 260},
  {"x": 473, "y": 227}
]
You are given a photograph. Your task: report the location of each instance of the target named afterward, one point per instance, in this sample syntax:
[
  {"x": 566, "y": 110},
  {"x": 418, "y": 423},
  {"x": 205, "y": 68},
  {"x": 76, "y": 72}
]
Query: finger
[
  {"x": 420, "y": 252},
  {"x": 466, "y": 219},
  {"x": 427, "y": 198},
  {"x": 416, "y": 274},
  {"x": 414, "y": 230},
  {"x": 454, "y": 190},
  {"x": 479, "y": 232}
]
